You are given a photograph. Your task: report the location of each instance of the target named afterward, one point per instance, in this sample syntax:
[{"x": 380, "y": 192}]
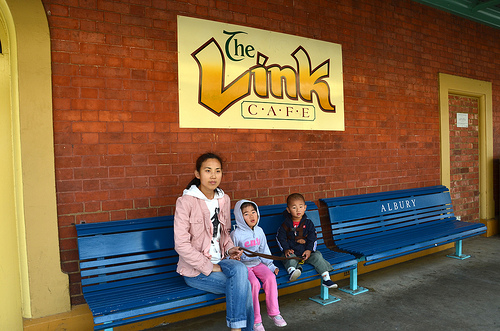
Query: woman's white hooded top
[{"x": 251, "y": 239}]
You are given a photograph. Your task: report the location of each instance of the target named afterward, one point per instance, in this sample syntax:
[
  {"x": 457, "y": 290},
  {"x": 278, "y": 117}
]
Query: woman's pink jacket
[{"x": 193, "y": 232}]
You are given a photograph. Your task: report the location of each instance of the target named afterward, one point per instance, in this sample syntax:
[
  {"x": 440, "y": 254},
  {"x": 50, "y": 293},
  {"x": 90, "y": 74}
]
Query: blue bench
[
  {"x": 381, "y": 226},
  {"x": 128, "y": 268}
]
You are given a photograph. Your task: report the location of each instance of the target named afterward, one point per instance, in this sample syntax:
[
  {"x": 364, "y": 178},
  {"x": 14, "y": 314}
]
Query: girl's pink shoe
[
  {"x": 278, "y": 320},
  {"x": 258, "y": 327}
]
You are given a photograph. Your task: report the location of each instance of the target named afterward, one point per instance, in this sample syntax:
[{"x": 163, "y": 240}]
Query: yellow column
[
  {"x": 10, "y": 281},
  {"x": 33, "y": 241}
]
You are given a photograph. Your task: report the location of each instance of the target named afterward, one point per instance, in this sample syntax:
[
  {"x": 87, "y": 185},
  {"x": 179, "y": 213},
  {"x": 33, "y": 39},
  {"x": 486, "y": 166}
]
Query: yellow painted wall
[
  {"x": 29, "y": 248},
  {"x": 10, "y": 281}
]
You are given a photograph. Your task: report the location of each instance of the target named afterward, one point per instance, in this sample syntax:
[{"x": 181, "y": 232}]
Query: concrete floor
[{"x": 429, "y": 293}]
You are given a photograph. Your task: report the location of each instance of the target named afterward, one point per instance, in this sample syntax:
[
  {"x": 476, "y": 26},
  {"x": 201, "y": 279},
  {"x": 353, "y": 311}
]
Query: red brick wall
[
  {"x": 464, "y": 158},
  {"x": 119, "y": 151}
]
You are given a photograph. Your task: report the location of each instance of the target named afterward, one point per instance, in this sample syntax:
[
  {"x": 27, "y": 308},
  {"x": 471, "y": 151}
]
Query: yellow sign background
[{"x": 233, "y": 76}]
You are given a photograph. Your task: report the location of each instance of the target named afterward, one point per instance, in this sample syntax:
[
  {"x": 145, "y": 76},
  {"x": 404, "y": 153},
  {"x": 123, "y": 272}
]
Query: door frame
[{"x": 467, "y": 87}]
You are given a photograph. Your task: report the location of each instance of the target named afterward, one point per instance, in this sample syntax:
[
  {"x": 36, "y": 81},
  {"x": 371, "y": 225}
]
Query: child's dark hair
[
  {"x": 293, "y": 197},
  {"x": 202, "y": 158},
  {"x": 248, "y": 204}
]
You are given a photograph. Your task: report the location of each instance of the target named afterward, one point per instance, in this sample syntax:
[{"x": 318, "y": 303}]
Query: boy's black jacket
[{"x": 287, "y": 239}]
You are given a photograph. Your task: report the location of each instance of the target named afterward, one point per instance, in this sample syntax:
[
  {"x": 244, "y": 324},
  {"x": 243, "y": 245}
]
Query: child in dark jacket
[{"x": 297, "y": 237}]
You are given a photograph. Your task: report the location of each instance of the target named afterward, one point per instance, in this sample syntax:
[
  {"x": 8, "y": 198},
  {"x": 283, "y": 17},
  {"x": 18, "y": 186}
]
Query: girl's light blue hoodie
[{"x": 254, "y": 240}]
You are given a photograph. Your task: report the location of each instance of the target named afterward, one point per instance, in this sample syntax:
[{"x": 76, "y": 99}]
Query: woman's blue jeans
[{"x": 233, "y": 282}]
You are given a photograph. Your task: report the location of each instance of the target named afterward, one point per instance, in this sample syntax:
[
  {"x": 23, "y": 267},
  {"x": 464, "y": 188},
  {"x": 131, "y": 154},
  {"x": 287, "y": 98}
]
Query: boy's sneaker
[
  {"x": 294, "y": 275},
  {"x": 278, "y": 320},
  {"x": 328, "y": 283},
  {"x": 258, "y": 327}
]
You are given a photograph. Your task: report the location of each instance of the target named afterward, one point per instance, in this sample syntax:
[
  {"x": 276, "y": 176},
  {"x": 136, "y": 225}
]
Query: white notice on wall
[{"x": 462, "y": 120}]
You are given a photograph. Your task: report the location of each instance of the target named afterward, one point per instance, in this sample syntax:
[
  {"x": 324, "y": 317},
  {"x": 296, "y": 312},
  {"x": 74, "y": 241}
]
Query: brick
[
  {"x": 141, "y": 213},
  {"x": 115, "y": 172},
  {"x": 85, "y": 150},
  {"x": 116, "y": 160},
  {"x": 65, "y": 220},
  {"x": 69, "y": 186},
  {"x": 141, "y": 182},
  {"x": 69, "y": 208},
  {"x": 164, "y": 181},
  {"x": 116, "y": 205},
  {"x": 116, "y": 183},
  {"x": 138, "y": 127},
  {"x": 93, "y": 173},
  {"x": 91, "y": 207},
  {"x": 87, "y": 195}
]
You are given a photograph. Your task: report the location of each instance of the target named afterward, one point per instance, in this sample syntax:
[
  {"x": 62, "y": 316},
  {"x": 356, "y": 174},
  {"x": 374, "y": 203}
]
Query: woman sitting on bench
[{"x": 202, "y": 223}]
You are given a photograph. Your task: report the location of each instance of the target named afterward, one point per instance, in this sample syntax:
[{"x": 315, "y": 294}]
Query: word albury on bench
[{"x": 382, "y": 226}]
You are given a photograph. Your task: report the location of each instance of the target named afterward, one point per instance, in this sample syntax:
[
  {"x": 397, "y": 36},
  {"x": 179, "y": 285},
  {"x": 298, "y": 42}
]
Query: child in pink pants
[{"x": 250, "y": 236}]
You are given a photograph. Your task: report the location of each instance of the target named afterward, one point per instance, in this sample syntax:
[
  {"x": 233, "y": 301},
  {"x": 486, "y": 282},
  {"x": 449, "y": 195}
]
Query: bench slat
[
  {"x": 146, "y": 293},
  {"x": 156, "y": 311},
  {"x": 108, "y": 278},
  {"x": 349, "y": 234},
  {"x": 386, "y": 208},
  {"x": 114, "y": 244},
  {"x": 102, "y": 287},
  {"x": 444, "y": 211},
  {"x": 92, "y": 229},
  {"x": 389, "y": 195},
  {"x": 204, "y": 300},
  {"x": 128, "y": 259},
  {"x": 143, "y": 264},
  {"x": 375, "y": 258},
  {"x": 401, "y": 239}
]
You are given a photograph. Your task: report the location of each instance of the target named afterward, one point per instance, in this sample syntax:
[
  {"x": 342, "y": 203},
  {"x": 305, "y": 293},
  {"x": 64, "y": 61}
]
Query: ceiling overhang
[{"x": 482, "y": 11}]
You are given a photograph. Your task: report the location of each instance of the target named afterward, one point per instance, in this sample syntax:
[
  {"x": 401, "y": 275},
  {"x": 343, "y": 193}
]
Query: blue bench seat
[
  {"x": 128, "y": 268},
  {"x": 381, "y": 226}
]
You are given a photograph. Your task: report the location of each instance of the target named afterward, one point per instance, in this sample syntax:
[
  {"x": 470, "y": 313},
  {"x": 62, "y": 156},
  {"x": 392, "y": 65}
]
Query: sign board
[
  {"x": 462, "y": 120},
  {"x": 233, "y": 76}
]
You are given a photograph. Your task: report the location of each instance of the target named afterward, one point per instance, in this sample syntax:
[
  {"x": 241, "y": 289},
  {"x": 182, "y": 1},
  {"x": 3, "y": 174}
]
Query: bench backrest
[
  {"x": 271, "y": 218},
  {"x": 126, "y": 252},
  {"x": 368, "y": 215}
]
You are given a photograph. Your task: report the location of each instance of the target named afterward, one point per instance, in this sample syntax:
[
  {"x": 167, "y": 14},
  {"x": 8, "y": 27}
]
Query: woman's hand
[
  {"x": 276, "y": 271},
  {"x": 216, "y": 268},
  {"x": 235, "y": 253}
]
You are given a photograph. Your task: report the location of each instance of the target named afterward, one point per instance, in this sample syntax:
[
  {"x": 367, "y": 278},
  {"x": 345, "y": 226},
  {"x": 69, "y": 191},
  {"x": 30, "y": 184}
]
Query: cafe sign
[{"x": 233, "y": 76}]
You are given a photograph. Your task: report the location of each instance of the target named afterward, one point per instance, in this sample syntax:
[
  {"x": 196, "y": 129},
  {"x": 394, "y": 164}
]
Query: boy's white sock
[
  {"x": 290, "y": 270},
  {"x": 325, "y": 275}
]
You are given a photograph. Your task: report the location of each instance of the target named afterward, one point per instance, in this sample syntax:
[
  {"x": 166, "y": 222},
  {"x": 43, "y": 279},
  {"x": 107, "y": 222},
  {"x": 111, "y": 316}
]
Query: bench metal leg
[
  {"x": 107, "y": 329},
  {"x": 324, "y": 299},
  {"x": 458, "y": 251},
  {"x": 353, "y": 288}
]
